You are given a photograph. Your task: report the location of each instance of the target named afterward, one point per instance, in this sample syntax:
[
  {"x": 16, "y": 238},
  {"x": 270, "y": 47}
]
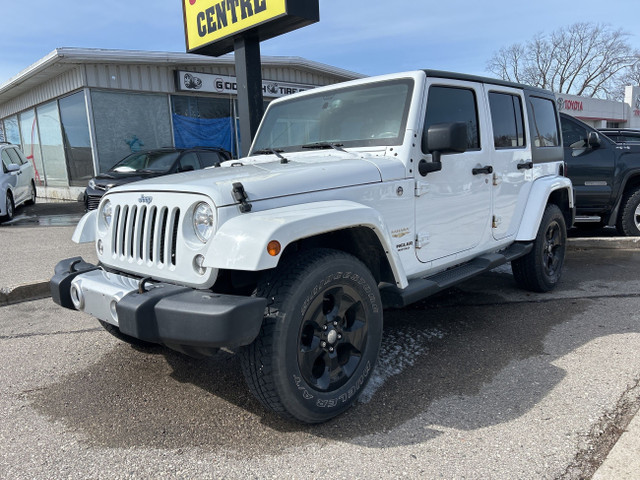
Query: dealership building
[{"x": 78, "y": 111}]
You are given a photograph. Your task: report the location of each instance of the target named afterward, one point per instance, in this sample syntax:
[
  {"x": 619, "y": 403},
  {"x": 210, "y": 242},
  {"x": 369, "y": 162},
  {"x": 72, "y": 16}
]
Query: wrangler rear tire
[{"x": 540, "y": 269}]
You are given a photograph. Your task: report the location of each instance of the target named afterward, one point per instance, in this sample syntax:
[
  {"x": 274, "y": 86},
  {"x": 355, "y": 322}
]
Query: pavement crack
[
  {"x": 48, "y": 334},
  {"x": 604, "y": 434}
]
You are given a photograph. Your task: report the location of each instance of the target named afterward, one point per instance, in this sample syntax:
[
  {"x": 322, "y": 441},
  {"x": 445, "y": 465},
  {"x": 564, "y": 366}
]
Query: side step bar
[
  {"x": 588, "y": 219},
  {"x": 421, "y": 288}
]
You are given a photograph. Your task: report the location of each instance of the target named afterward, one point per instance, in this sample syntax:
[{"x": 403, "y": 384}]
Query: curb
[
  {"x": 621, "y": 243},
  {"x": 24, "y": 293}
]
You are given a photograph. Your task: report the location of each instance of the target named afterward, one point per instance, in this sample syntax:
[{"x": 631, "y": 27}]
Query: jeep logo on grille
[{"x": 144, "y": 199}]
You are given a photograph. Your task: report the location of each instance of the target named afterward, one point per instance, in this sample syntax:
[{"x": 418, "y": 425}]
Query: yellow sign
[{"x": 208, "y": 21}]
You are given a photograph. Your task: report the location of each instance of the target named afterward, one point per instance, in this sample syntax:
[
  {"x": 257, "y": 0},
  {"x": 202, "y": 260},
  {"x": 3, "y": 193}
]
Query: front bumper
[{"x": 159, "y": 312}]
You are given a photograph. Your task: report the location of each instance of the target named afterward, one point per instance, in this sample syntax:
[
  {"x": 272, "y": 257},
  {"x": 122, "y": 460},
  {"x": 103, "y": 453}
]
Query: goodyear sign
[{"x": 212, "y": 25}]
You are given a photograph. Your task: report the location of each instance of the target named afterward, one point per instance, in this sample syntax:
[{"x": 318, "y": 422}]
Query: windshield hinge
[{"x": 241, "y": 196}]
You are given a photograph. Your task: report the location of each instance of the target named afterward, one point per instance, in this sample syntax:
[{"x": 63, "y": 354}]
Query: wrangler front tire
[{"x": 320, "y": 336}]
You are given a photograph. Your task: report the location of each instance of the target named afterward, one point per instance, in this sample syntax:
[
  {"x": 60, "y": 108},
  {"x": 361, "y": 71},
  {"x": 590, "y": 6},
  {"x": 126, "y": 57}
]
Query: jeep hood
[{"x": 264, "y": 179}]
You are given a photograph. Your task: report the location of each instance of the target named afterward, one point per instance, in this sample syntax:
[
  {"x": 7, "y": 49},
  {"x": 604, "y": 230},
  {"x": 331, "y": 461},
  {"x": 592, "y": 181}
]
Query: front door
[{"x": 453, "y": 205}]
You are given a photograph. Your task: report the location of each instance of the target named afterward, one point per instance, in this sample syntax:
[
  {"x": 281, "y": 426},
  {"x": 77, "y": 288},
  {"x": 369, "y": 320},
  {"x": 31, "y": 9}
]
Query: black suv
[
  {"x": 622, "y": 135},
  {"x": 605, "y": 177},
  {"x": 152, "y": 163}
]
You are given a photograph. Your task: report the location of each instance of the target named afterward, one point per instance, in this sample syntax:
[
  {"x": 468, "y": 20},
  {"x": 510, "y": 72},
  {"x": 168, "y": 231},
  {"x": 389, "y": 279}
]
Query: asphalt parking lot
[{"x": 482, "y": 381}]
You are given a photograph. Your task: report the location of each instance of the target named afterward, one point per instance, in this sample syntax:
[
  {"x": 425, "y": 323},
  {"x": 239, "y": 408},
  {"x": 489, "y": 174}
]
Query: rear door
[
  {"x": 23, "y": 176},
  {"x": 512, "y": 165}
]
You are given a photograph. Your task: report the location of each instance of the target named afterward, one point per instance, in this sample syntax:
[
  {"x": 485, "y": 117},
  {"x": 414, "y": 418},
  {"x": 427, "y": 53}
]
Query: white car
[{"x": 17, "y": 181}]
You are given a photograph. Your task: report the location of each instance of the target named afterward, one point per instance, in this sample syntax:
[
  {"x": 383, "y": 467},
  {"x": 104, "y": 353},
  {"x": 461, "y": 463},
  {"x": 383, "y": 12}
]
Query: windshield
[
  {"x": 374, "y": 114},
  {"x": 146, "y": 162}
]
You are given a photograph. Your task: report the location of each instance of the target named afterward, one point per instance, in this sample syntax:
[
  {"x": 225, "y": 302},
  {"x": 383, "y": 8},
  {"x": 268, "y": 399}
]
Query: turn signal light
[{"x": 274, "y": 248}]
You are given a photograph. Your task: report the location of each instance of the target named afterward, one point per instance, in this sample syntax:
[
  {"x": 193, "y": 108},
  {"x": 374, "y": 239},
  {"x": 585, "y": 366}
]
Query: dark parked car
[
  {"x": 622, "y": 135},
  {"x": 605, "y": 177},
  {"x": 152, "y": 163}
]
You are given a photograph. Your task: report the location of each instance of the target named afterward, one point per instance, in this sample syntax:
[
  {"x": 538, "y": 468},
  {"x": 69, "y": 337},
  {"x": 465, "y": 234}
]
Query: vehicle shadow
[{"x": 443, "y": 365}]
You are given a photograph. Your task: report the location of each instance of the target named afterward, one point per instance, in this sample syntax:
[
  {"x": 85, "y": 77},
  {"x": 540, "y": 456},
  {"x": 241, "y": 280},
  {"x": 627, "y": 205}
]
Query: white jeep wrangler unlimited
[{"x": 355, "y": 197}]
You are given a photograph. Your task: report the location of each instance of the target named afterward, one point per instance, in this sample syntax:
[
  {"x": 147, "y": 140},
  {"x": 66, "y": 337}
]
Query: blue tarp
[{"x": 204, "y": 132}]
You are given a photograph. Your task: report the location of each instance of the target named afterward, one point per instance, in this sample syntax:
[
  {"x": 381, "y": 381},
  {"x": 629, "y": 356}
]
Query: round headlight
[
  {"x": 107, "y": 212},
  {"x": 203, "y": 221}
]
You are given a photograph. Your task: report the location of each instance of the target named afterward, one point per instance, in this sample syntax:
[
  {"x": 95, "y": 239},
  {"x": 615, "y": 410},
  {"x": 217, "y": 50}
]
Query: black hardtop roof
[{"x": 480, "y": 79}]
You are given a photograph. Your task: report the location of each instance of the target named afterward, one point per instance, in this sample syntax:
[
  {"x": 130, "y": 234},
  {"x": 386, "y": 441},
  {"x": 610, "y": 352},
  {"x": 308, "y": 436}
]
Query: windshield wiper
[
  {"x": 323, "y": 145},
  {"x": 266, "y": 151}
]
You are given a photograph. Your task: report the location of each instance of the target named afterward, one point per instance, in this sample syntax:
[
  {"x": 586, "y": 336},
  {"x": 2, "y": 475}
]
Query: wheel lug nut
[
  {"x": 324, "y": 327},
  {"x": 323, "y": 344},
  {"x": 339, "y": 336},
  {"x": 335, "y": 323},
  {"x": 331, "y": 349}
]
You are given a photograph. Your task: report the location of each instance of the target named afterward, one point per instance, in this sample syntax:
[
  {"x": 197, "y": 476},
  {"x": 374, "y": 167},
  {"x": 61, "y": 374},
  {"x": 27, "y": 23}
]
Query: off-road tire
[
  {"x": 629, "y": 219},
  {"x": 540, "y": 269},
  {"x": 324, "y": 315}
]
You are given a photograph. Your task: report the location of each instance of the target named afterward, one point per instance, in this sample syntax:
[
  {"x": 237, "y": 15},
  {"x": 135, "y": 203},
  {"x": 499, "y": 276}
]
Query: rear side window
[
  {"x": 452, "y": 104},
  {"x": 543, "y": 124},
  {"x": 506, "y": 120}
]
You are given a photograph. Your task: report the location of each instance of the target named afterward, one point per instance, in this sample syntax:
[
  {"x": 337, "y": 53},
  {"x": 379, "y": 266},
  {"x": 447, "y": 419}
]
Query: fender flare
[
  {"x": 541, "y": 190},
  {"x": 244, "y": 238},
  {"x": 85, "y": 231}
]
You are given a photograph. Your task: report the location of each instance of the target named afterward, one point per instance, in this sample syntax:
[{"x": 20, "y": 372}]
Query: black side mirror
[
  {"x": 593, "y": 140},
  {"x": 185, "y": 168},
  {"x": 442, "y": 138}
]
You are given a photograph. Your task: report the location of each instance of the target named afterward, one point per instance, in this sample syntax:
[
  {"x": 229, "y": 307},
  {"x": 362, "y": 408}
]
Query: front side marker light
[{"x": 274, "y": 248}]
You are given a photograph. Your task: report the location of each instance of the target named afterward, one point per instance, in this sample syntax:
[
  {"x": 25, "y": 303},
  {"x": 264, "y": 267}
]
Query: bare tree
[{"x": 582, "y": 59}]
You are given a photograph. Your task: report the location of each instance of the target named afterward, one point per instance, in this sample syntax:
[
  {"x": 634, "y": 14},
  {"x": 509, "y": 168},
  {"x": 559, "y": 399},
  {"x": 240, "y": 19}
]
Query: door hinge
[
  {"x": 421, "y": 188},
  {"x": 497, "y": 179},
  {"x": 495, "y": 223},
  {"x": 422, "y": 239}
]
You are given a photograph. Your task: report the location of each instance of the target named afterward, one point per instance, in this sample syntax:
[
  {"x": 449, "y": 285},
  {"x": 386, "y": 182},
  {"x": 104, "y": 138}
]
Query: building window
[
  {"x": 31, "y": 143},
  {"x": 12, "y": 130},
  {"x": 204, "y": 122},
  {"x": 76, "y": 139},
  {"x": 126, "y": 123},
  {"x": 51, "y": 145}
]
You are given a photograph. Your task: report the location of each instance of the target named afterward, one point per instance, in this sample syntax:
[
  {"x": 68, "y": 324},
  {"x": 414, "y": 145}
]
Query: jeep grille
[
  {"x": 146, "y": 237},
  {"x": 145, "y": 233}
]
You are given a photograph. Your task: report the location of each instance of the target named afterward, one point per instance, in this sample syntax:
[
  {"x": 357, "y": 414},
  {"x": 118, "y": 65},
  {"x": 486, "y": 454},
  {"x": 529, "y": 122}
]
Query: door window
[
  {"x": 452, "y": 104},
  {"x": 506, "y": 120},
  {"x": 544, "y": 125},
  {"x": 189, "y": 161}
]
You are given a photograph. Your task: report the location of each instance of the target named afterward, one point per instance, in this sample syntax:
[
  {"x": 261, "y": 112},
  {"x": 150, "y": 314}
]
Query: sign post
[{"x": 217, "y": 27}]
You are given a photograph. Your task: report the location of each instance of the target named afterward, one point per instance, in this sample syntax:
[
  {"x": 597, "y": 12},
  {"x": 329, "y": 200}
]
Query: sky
[{"x": 367, "y": 37}]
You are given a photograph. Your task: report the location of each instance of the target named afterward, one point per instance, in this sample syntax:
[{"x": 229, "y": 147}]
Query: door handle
[
  {"x": 525, "y": 165},
  {"x": 487, "y": 169}
]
